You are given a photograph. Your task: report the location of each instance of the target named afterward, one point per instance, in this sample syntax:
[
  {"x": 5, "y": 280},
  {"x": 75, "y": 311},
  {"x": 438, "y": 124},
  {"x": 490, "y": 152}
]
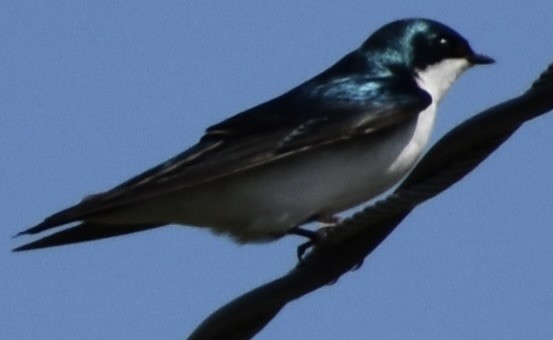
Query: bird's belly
[{"x": 265, "y": 202}]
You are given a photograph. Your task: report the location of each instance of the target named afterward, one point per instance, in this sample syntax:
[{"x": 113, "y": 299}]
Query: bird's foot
[{"x": 314, "y": 237}]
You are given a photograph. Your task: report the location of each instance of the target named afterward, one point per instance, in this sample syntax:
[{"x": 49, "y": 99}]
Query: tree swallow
[{"x": 329, "y": 144}]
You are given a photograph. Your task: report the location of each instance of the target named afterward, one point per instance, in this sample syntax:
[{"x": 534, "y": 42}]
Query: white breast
[
  {"x": 267, "y": 201},
  {"x": 437, "y": 79}
]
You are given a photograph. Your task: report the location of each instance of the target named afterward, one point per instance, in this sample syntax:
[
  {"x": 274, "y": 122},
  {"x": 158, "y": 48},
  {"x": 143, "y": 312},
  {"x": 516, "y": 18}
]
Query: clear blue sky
[{"x": 92, "y": 94}]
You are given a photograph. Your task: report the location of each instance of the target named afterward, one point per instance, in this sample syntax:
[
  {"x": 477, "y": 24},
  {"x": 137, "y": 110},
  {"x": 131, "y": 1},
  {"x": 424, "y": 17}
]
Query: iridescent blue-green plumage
[{"x": 371, "y": 90}]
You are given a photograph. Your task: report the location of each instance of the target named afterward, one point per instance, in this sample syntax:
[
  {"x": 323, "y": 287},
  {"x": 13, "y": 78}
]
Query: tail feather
[
  {"x": 86, "y": 231},
  {"x": 44, "y": 225},
  {"x": 65, "y": 216}
]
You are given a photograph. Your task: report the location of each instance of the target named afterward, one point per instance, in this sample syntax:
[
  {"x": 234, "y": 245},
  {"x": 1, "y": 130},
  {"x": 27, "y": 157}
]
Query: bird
[{"x": 332, "y": 143}]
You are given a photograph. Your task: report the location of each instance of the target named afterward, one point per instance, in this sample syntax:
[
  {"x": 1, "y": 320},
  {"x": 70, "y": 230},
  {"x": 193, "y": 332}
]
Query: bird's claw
[{"x": 314, "y": 239}]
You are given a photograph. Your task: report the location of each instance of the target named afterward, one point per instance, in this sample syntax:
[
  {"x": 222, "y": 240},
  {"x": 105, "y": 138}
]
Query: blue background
[{"x": 92, "y": 93}]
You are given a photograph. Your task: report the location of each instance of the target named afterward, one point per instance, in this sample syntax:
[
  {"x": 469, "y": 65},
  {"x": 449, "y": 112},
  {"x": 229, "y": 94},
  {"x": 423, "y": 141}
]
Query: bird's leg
[
  {"x": 311, "y": 235},
  {"x": 302, "y": 248},
  {"x": 327, "y": 221}
]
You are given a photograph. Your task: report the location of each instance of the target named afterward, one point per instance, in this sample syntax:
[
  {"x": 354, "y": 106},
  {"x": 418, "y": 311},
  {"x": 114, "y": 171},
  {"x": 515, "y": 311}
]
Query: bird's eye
[
  {"x": 447, "y": 46},
  {"x": 442, "y": 42}
]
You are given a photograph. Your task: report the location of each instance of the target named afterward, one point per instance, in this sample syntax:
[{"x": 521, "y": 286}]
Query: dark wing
[{"x": 310, "y": 116}]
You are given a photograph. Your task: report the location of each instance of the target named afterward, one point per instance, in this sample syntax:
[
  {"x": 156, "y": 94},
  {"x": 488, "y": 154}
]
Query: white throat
[{"x": 436, "y": 79}]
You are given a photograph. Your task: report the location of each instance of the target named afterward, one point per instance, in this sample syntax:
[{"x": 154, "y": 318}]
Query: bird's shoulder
[{"x": 351, "y": 89}]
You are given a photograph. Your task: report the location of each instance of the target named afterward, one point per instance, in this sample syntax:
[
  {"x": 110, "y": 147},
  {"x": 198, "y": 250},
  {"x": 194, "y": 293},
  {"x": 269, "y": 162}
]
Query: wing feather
[{"x": 312, "y": 115}]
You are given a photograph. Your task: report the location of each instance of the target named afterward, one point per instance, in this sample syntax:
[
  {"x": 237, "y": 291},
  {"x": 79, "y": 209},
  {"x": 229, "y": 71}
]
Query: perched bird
[{"x": 329, "y": 144}]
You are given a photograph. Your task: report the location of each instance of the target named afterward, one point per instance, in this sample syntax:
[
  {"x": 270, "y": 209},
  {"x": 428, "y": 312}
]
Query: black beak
[{"x": 480, "y": 59}]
